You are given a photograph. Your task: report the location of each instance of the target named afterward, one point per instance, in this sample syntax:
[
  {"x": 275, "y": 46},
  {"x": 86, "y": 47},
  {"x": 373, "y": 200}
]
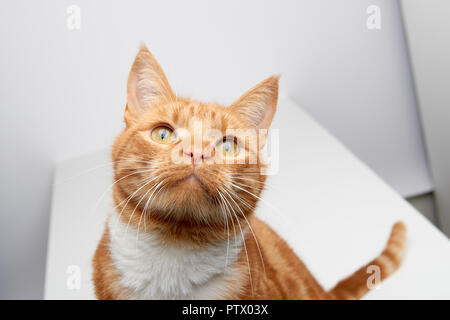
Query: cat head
[{"x": 185, "y": 163}]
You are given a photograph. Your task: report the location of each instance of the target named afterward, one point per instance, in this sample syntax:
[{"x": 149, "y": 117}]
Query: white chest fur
[{"x": 151, "y": 270}]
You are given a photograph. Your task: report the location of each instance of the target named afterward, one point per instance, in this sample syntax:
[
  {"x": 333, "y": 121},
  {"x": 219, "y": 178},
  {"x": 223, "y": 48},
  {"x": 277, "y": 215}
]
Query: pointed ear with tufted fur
[
  {"x": 147, "y": 84},
  {"x": 257, "y": 106}
]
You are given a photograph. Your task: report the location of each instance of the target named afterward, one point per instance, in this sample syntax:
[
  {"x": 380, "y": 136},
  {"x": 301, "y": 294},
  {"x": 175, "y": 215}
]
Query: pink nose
[{"x": 197, "y": 155}]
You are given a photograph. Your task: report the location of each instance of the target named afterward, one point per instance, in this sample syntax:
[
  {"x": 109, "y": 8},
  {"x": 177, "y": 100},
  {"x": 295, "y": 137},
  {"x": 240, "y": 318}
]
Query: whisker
[
  {"x": 95, "y": 168},
  {"x": 144, "y": 211},
  {"x": 153, "y": 196},
  {"x": 129, "y": 219},
  {"x": 127, "y": 199},
  {"x": 245, "y": 246},
  {"x": 137, "y": 205},
  {"x": 275, "y": 209},
  {"x": 259, "y": 198},
  {"x": 228, "y": 230},
  {"x": 264, "y": 184},
  {"x": 251, "y": 229},
  {"x": 132, "y": 195},
  {"x": 232, "y": 221},
  {"x": 112, "y": 185}
]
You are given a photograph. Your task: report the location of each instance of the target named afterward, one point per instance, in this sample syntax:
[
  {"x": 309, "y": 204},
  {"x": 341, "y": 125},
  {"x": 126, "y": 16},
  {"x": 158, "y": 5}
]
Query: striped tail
[{"x": 357, "y": 285}]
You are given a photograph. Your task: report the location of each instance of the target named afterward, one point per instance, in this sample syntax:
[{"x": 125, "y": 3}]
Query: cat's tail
[{"x": 359, "y": 283}]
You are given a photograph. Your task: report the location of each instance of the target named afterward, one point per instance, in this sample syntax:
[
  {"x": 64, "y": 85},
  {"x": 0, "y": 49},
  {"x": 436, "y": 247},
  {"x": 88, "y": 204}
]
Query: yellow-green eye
[
  {"x": 230, "y": 148},
  {"x": 162, "y": 135}
]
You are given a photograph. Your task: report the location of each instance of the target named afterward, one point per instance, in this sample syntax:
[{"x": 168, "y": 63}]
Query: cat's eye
[
  {"x": 162, "y": 135},
  {"x": 229, "y": 147}
]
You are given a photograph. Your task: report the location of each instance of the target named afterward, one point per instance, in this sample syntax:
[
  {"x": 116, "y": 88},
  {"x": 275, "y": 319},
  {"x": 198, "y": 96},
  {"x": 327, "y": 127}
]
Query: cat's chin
[
  {"x": 186, "y": 196},
  {"x": 191, "y": 184},
  {"x": 188, "y": 182}
]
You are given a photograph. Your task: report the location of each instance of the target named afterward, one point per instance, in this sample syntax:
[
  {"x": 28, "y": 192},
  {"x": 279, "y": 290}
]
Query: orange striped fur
[{"x": 199, "y": 203}]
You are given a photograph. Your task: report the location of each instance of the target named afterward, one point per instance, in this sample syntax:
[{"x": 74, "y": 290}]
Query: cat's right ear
[{"x": 147, "y": 85}]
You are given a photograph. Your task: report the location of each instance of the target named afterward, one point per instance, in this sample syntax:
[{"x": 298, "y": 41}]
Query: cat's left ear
[
  {"x": 256, "y": 108},
  {"x": 147, "y": 85}
]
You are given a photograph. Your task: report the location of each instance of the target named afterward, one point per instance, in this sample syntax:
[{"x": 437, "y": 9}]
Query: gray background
[
  {"x": 62, "y": 92},
  {"x": 431, "y": 67}
]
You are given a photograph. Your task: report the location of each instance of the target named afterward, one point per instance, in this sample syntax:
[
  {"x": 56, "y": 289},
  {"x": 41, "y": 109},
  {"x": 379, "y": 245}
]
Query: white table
[{"x": 332, "y": 209}]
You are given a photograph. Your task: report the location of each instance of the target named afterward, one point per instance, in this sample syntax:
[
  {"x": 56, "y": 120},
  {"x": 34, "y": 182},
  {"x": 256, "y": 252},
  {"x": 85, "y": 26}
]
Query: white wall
[
  {"x": 427, "y": 28},
  {"x": 62, "y": 92}
]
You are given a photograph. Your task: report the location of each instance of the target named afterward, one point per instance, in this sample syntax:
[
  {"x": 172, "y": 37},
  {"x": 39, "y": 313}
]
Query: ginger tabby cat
[{"x": 185, "y": 190}]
